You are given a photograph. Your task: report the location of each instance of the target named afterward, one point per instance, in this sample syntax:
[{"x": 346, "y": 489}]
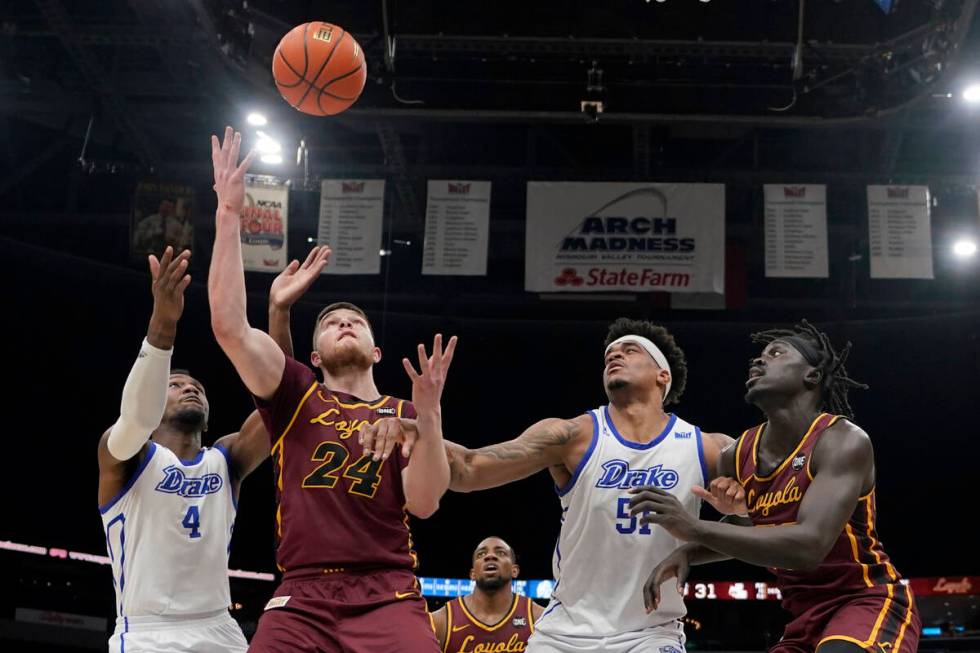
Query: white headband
[{"x": 651, "y": 349}]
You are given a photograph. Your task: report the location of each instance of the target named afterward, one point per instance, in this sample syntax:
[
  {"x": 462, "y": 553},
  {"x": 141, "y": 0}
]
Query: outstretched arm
[
  {"x": 256, "y": 357},
  {"x": 551, "y": 442},
  {"x": 291, "y": 284},
  {"x": 846, "y": 460},
  {"x": 144, "y": 397},
  {"x": 426, "y": 477}
]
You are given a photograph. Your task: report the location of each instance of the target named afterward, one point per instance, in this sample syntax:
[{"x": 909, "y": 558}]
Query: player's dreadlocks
[
  {"x": 664, "y": 341},
  {"x": 820, "y": 353}
]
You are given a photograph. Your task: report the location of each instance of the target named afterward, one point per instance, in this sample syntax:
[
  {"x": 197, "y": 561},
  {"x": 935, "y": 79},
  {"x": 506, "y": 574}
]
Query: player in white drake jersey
[
  {"x": 595, "y": 460},
  {"x": 168, "y": 504}
]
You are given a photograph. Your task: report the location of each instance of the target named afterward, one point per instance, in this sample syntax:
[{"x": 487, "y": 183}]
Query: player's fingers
[
  {"x": 391, "y": 440},
  {"x": 245, "y": 164},
  {"x": 423, "y": 359},
  {"x": 291, "y": 268},
  {"x": 226, "y": 146},
  {"x": 365, "y": 436},
  {"x": 182, "y": 286},
  {"x": 377, "y": 446},
  {"x": 325, "y": 252},
  {"x": 447, "y": 358},
  {"x": 154, "y": 267},
  {"x": 168, "y": 255},
  {"x": 310, "y": 257},
  {"x": 175, "y": 275},
  {"x": 699, "y": 491},
  {"x": 411, "y": 436},
  {"x": 174, "y": 271},
  {"x": 435, "y": 363},
  {"x": 411, "y": 370}
]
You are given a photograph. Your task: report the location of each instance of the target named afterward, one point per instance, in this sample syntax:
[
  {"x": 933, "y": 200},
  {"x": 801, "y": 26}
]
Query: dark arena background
[{"x": 854, "y": 106}]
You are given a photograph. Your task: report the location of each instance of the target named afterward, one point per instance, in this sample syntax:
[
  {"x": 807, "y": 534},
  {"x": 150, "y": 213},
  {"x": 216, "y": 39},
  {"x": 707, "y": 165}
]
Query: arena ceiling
[{"x": 742, "y": 93}]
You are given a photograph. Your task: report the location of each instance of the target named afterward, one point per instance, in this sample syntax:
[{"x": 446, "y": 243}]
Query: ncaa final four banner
[
  {"x": 351, "y": 215},
  {"x": 588, "y": 237},
  {"x": 264, "y": 220}
]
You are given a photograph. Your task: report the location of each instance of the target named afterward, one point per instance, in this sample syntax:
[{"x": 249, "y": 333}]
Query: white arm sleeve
[{"x": 144, "y": 399}]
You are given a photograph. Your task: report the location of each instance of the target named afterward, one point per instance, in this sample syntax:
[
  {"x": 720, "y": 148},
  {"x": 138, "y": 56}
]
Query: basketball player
[
  {"x": 168, "y": 504},
  {"x": 344, "y": 545},
  {"x": 492, "y": 618},
  {"x": 594, "y": 460},
  {"x": 809, "y": 470}
]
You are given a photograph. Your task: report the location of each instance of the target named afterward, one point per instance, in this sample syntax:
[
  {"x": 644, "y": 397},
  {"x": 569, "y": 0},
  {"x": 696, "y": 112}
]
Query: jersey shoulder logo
[
  {"x": 176, "y": 482},
  {"x": 682, "y": 435},
  {"x": 387, "y": 410},
  {"x": 618, "y": 474},
  {"x": 519, "y": 622},
  {"x": 799, "y": 461}
]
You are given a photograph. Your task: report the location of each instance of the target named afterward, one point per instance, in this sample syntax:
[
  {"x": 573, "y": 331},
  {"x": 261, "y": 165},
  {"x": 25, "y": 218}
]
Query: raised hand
[
  {"x": 296, "y": 279},
  {"x": 726, "y": 495},
  {"x": 380, "y": 438},
  {"x": 427, "y": 384},
  {"x": 170, "y": 280},
  {"x": 229, "y": 176}
]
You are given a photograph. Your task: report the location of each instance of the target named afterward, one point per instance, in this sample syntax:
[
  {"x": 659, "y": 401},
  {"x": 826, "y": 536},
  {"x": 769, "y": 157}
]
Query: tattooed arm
[{"x": 554, "y": 443}]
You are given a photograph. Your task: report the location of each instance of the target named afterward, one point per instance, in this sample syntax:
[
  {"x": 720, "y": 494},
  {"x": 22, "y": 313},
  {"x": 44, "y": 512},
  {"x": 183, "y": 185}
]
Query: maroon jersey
[
  {"x": 855, "y": 563},
  {"x": 467, "y": 634},
  {"x": 337, "y": 509}
]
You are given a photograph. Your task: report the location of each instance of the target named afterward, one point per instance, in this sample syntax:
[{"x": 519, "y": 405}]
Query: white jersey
[
  {"x": 604, "y": 556},
  {"x": 168, "y": 533}
]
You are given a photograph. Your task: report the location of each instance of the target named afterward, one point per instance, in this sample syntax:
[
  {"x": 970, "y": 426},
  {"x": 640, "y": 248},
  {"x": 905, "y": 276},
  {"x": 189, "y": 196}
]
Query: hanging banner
[
  {"x": 796, "y": 230},
  {"x": 351, "y": 213},
  {"x": 587, "y": 237},
  {"x": 264, "y": 221},
  {"x": 899, "y": 232},
  {"x": 457, "y": 227},
  {"x": 163, "y": 214}
]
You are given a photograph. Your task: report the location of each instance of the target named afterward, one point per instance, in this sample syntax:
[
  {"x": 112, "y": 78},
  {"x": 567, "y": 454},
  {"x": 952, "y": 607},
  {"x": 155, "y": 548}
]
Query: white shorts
[
  {"x": 668, "y": 638},
  {"x": 217, "y": 633}
]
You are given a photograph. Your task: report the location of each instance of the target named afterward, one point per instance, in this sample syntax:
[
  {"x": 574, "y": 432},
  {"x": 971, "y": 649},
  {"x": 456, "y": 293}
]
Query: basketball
[{"x": 319, "y": 68}]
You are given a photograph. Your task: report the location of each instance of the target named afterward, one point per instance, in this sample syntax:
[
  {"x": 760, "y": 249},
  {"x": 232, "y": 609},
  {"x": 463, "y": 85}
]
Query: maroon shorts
[
  {"x": 347, "y": 612},
  {"x": 882, "y": 619}
]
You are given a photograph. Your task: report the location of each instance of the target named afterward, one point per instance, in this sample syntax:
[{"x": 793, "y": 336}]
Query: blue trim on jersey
[
  {"x": 551, "y": 606},
  {"x": 195, "y": 460},
  {"x": 562, "y": 491},
  {"x": 704, "y": 463},
  {"x": 121, "y": 517},
  {"x": 139, "y": 470},
  {"x": 122, "y": 635},
  {"x": 231, "y": 474},
  {"x": 637, "y": 445}
]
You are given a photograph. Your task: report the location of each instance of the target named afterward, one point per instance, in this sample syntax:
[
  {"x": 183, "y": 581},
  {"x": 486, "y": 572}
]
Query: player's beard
[
  {"x": 344, "y": 358},
  {"x": 190, "y": 419},
  {"x": 616, "y": 384},
  {"x": 492, "y": 584}
]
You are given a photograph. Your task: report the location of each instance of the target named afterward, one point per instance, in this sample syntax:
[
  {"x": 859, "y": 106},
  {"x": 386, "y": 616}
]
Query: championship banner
[
  {"x": 899, "y": 232},
  {"x": 351, "y": 214},
  {"x": 264, "y": 227},
  {"x": 588, "y": 237},
  {"x": 163, "y": 214},
  {"x": 796, "y": 230},
  {"x": 457, "y": 228}
]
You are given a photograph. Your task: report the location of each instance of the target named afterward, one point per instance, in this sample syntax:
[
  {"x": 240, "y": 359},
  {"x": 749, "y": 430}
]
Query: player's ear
[
  {"x": 315, "y": 358},
  {"x": 813, "y": 376},
  {"x": 472, "y": 574},
  {"x": 376, "y": 355},
  {"x": 515, "y": 570}
]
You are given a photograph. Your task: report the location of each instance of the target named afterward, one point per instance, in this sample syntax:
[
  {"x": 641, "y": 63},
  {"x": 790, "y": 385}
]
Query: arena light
[
  {"x": 271, "y": 158},
  {"x": 972, "y": 93},
  {"x": 257, "y": 119},
  {"x": 965, "y": 248},
  {"x": 267, "y": 144}
]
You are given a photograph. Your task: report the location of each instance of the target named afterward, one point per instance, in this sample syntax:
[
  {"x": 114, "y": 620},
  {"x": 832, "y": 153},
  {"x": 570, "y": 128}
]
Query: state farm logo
[
  {"x": 897, "y": 192},
  {"x": 569, "y": 277},
  {"x": 794, "y": 191},
  {"x": 459, "y": 189},
  {"x": 352, "y": 186}
]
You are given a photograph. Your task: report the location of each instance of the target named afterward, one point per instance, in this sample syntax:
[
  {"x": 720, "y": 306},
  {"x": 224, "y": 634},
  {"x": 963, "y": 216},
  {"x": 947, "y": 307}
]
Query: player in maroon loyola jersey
[
  {"x": 809, "y": 472},
  {"x": 342, "y": 518}
]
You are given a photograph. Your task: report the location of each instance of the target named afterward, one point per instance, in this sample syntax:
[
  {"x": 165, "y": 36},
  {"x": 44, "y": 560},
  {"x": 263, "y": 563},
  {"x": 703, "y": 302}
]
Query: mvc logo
[
  {"x": 794, "y": 191},
  {"x": 897, "y": 192},
  {"x": 569, "y": 277},
  {"x": 459, "y": 189},
  {"x": 352, "y": 186}
]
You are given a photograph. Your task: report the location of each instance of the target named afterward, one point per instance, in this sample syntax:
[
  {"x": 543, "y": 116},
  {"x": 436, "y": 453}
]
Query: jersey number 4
[
  {"x": 192, "y": 521},
  {"x": 365, "y": 472}
]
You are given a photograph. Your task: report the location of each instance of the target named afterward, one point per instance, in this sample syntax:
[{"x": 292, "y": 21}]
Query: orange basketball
[{"x": 319, "y": 68}]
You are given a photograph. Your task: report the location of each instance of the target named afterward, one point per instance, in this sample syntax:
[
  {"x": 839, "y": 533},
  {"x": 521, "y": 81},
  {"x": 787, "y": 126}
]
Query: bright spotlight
[
  {"x": 964, "y": 248},
  {"x": 267, "y": 144},
  {"x": 256, "y": 119},
  {"x": 271, "y": 158},
  {"x": 972, "y": 93}
]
